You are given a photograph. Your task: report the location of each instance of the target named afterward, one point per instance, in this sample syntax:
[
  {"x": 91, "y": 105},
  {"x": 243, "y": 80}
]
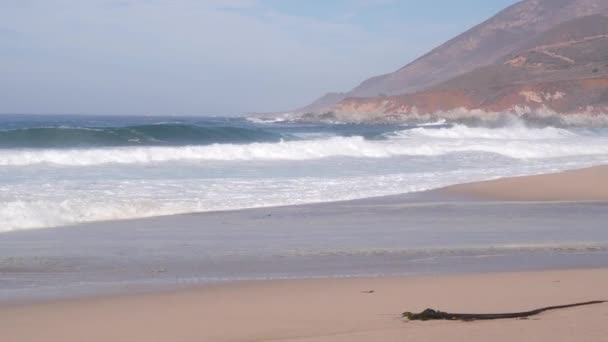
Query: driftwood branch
[{"x": 430, "y": 314}]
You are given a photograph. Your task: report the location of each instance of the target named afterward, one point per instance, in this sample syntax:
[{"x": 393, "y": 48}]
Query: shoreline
[
  {"x": 139, "y": 290},
  {"x": 420, "y": 253},
  {"x": 431, "y": 249},
  {"x": 500, "y": 189},
  {"x": 415, "y": 234},
  {"x": 327, "y": 310},
  {"x": 167, "y": 253}
]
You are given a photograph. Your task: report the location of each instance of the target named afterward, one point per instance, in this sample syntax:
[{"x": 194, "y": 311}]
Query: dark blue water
[{"x": 65, "y": 131}]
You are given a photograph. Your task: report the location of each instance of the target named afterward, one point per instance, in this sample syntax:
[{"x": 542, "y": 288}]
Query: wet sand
[
  {"x": 328, "y": 310},
  {"x": 391, "y": 236}
]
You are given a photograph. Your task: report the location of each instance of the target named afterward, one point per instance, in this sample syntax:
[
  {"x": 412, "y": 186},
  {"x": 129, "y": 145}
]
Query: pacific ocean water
[{"x": 63, "y": 170}]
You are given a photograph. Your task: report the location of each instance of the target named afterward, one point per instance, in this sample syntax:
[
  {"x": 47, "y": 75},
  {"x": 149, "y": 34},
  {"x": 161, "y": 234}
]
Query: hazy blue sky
[{"x": 210, "y": 57}]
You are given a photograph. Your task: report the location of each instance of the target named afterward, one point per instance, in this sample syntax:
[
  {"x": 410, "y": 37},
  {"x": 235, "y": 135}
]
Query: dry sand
[
  {"x": 327, "y": 310},
  {"x": 579, "y": 185}
]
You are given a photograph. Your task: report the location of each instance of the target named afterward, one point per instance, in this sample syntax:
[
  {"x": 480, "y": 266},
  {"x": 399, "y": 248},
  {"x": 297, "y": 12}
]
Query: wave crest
[
  {"x": 518, "y": 132},
  {"x": 170, "y": 134},
  {"x": 524, "y": 144}
]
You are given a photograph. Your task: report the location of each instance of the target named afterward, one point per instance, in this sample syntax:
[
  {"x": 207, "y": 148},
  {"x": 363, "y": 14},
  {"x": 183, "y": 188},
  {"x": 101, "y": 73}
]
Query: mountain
[
  {"x": 516, "y": 28},
  {"x": 563, "y": 70}
]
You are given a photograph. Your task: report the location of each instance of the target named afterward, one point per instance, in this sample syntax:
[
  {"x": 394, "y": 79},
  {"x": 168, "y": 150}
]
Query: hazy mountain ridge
[
  {"x": 564, "y": 71},
  {"x": 533, "y": 42}
]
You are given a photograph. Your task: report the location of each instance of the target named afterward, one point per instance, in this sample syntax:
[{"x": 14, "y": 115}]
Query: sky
[{"x": 210, "y": 57}]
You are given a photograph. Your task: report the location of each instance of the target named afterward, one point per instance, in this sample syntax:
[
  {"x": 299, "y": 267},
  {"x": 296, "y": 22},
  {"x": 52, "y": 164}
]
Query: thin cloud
[{"x": 187, "y": 56}]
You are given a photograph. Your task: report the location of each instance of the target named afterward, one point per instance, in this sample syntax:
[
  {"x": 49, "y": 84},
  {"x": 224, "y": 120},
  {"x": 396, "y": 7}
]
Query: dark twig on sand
[{"x": 430, "y": 314}]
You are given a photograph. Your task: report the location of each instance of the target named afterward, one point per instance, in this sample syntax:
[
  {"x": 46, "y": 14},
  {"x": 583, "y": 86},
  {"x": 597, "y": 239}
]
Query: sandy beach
[
  {"x": 465, "y": 278},
  {"x": 328, "y": 310},
  {"x": 589, "y": 184}
]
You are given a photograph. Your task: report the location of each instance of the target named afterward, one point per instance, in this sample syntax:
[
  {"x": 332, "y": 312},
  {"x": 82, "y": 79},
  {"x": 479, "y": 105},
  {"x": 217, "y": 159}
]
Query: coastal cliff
[
  {"x": 564, "y": 71},
  {"x": 537, "y": 58}
]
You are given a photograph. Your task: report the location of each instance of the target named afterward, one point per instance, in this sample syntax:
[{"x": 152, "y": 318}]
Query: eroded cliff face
[
  {"x": 574, "y": 98},
  {"x": 511, "y": 30},
  {"x": 563, "y": 71}
]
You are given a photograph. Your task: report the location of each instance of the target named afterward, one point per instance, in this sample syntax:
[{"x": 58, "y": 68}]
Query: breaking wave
[
  {"x": 519, "y": 143},
  {"x": 518, "y": 132},
  {"x": 62, "y": 176}
]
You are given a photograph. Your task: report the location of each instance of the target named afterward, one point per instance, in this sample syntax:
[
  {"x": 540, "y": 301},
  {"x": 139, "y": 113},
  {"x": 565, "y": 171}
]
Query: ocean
[{"x": 64, "y": 170}]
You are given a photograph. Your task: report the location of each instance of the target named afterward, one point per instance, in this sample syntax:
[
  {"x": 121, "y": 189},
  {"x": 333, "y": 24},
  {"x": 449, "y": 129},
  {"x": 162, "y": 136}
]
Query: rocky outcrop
[{"x": 588, "y": 97}]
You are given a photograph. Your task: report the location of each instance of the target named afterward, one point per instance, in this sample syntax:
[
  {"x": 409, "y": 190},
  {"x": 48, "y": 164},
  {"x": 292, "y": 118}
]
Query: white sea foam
[
  {"x": 266, "y": 120},
  {"x": 518, "y": 132},
  {"x": 54, "y": 187},
  {"x": 439, "y": 122},
  {"x": 82, "y": 201},
  {"x": 40, "y": 204},
  {"x": 517, "y": 142}
]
